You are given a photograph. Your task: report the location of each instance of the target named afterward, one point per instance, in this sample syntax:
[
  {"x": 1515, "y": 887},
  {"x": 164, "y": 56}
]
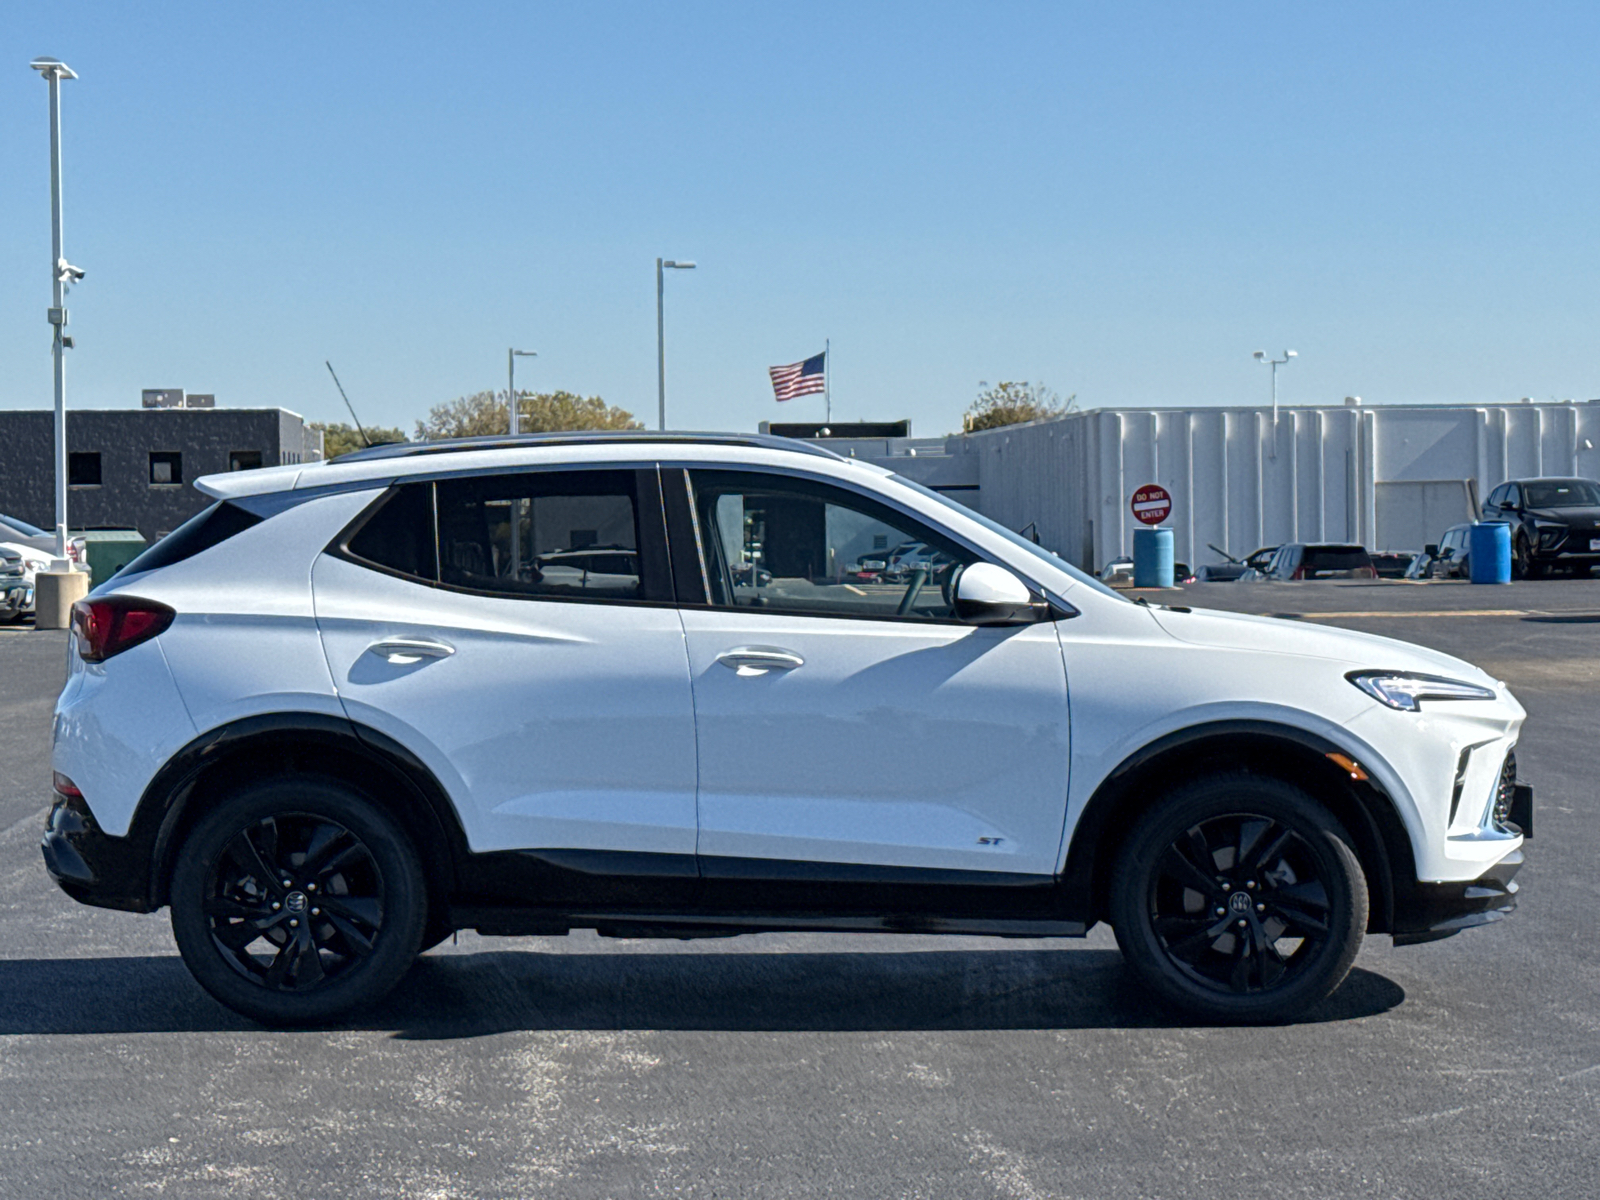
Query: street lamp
[
  {"x": 661, "y": 342},
  {"x": 62, "y": 275},
  {"x": 1261, "y": 357},
  {"x": 516, "y": 427},
  {"x": 511, "y": 389}
]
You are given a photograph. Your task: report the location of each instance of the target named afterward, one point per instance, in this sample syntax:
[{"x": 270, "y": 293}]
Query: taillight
[
  {"x": 65, "y": 787},
  {"x": 116, "y": 623},
  {"x": 1299, "y": 573}
]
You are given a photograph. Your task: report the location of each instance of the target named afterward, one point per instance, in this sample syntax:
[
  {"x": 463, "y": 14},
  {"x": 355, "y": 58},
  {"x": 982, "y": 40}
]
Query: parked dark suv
[
  {"x": 1554, "y": 523},
  {"x": 1299, "y": 561}
]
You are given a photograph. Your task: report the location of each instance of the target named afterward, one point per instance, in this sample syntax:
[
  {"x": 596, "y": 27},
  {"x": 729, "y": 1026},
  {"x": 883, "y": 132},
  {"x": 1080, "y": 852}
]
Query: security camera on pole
[
  {"x": 1261, "y": 357},
  {"x": 60, "y": 587}
]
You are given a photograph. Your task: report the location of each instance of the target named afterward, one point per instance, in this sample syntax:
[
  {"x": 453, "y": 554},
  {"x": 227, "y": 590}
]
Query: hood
[
  {"x": 1278, "y": 635},
  {"x": 1580, "y": 517}
]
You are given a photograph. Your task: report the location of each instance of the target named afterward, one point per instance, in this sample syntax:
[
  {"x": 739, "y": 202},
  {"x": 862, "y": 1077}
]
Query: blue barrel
[
  {"x": 1152, "y": 558},
  {"x": 1489, "y": 552}
]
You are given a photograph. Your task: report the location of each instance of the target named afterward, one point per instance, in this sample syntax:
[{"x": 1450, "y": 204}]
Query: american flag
[{"x": 799, "y": 379}]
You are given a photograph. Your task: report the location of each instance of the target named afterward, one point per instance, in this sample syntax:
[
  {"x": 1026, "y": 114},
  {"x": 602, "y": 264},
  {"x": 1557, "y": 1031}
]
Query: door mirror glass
[{"x": 991, "y": 595}]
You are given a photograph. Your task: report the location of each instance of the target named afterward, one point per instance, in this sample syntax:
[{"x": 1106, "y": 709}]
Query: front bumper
[
  {"x": 1426, "y": 912},
  {"x": 89, "y": 864},
  {"x": 16, "y": 598}
]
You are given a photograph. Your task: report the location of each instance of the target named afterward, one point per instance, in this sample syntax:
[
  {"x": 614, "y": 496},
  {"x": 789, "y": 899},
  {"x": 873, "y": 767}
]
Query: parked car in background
[
  {"x": 1260, "y": 559},
  {"x": 1392, "y": 564},
  {"x": 1118, "y": 571},
  {"x": 1447, "y": 560},
  {"x": 610, "y": 569},
  {"x": 29, "y": 563},
  {"x": 749, "y": 575},
  {"x": 1226, "y": 572},
  {"x": 868, "y": 569},
  {"x": 1555, "y": 523},
  {"x": 23, "y": 534},
  {"x": 1300, "y": 560},
  {"x": 16, "y": 593},
  {"x": 1230, "y": 572}
]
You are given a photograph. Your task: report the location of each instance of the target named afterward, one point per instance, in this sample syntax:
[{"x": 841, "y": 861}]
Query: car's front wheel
[
  {"x": 1239, "y": 899},
  {"x": 297, "y": 900}
]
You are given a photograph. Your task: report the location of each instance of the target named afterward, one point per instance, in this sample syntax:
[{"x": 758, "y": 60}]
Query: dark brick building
[{"x": 135, "y": 468}]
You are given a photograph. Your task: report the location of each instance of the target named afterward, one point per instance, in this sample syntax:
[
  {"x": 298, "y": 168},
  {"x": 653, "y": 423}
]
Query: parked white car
[
  {"x": 17, "y": 594},
  {"x": 335, "y": 717}
]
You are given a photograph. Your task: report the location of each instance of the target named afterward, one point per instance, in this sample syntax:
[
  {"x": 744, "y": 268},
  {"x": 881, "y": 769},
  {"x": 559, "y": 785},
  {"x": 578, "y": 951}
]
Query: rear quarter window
[{"x": 210, "y": 527}]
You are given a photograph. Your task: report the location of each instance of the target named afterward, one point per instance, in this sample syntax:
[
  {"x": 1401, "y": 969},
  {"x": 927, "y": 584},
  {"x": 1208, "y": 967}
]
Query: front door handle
[
  {"x": 758, "y": 660},
  {"x": 405, "y": 651}
]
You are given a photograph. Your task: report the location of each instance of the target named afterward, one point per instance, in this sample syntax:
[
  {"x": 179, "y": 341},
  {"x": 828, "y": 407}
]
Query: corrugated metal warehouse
[{"x": 1391, "y": 477}]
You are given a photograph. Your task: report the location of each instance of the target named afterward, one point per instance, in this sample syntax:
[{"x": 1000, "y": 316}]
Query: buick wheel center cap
[
  {"x": 1239, "y": 902},
  {"x": 295, "y": 902}
]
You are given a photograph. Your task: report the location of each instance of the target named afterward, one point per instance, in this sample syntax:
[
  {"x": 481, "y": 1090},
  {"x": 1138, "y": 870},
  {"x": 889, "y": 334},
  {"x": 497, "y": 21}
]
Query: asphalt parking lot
[{"x": 785, "y": 1066}]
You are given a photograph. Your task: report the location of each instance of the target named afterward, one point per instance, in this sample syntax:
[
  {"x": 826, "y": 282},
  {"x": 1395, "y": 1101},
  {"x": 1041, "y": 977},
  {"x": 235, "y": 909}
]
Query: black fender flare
[
  {"x": 356, "y": 752},
  {"x": 1303, "y": 757}
]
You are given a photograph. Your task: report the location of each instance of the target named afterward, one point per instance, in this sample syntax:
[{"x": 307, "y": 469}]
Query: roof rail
[{"x": 586, "y": 438}]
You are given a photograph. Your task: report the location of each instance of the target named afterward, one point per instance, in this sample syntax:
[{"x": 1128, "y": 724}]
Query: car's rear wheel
[
  {"x": 298, "y": 900},
  {"x": 1239, "y": 899}
]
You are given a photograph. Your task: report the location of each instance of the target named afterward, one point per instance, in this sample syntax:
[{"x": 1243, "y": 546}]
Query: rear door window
[{"x": 537, "y": 534}]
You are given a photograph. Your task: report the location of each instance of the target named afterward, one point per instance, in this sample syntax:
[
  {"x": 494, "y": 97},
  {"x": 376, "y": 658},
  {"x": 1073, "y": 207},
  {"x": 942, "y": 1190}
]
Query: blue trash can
[
  {"x": 1489, "y": 552},
  {"x": 1152, "y": 558}
]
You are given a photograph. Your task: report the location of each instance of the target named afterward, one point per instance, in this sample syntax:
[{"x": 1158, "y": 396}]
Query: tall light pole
[
  {"x": 1261, "y": 357},
  {"x": 516, "y": 427},
  {"x": 62, "y": 273},
  {"x": 661, "y": 340},
  {"x": 511, "y": 386}
]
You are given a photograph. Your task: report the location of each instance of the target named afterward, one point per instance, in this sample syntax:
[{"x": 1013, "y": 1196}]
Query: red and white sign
[{"x": 1151, "y": 504}]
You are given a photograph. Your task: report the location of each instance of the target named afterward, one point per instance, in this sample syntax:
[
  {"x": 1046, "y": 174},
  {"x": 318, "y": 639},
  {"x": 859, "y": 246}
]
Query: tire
[
  {"x": 356, "y": 899},
  {"x": 1523, "y": 564},
  {"x": 1182, "y": 886}
]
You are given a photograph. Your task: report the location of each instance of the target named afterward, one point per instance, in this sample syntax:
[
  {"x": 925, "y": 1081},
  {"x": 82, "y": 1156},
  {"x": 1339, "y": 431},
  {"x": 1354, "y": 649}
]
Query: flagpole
[{"x": 827, "y": 371}]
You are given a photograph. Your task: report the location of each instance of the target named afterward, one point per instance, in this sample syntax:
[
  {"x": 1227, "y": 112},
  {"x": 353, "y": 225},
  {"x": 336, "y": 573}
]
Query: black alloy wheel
[
  {"x": 297, "y": 900},
  {"x": 1240, "y": 900}
]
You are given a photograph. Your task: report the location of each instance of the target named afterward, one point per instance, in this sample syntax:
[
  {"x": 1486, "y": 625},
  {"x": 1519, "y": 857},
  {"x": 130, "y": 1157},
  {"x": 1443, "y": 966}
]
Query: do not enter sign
[{"x": 1151, "y": 504}]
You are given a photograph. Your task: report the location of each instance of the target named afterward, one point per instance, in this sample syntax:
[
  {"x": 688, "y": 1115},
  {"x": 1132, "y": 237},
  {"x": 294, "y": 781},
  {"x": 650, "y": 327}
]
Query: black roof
[{"x": 586, "y": 438}]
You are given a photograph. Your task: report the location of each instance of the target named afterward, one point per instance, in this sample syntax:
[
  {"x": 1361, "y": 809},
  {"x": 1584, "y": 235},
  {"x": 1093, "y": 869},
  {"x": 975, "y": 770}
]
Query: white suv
[{"x": 512, "y": 685}]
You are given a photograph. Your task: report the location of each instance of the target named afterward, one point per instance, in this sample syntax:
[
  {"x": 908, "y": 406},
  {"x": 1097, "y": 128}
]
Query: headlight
[{"x": 1407, "y": 690}]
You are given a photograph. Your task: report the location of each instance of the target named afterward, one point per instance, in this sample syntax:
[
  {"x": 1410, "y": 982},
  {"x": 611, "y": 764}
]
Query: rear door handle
[
  {"x": 404, "y": 651},
  {"x": 758, "y": 660}
]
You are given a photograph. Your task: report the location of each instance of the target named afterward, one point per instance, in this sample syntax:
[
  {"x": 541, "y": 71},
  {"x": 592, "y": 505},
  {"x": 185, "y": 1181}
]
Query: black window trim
[
  {"x": 1059, "y": 608},
  {"x": 655, "y": 573}
]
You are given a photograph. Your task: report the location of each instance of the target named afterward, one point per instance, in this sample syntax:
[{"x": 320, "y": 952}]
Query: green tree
[
  {"x": 1011, "y": 403},
  {"x": 485, "y": 413},
  {"x": 339, "y": 438}
]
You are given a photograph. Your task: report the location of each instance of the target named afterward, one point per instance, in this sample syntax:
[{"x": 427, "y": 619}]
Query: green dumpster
[{"x": 107, "y": 551}]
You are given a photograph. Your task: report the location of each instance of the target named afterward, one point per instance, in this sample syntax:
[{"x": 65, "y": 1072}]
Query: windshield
[
  {"x": 23, "y": 527},
  {"x": 1566, "y": 493},
  {"x": 1016, "y": 539}
]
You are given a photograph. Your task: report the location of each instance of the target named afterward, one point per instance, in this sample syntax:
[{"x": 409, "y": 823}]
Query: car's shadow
[{"x": 469, "y": 995}]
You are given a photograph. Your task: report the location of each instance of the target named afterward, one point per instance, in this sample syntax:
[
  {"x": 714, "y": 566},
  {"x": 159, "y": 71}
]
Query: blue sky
[{"x": 1120, "y": 200}]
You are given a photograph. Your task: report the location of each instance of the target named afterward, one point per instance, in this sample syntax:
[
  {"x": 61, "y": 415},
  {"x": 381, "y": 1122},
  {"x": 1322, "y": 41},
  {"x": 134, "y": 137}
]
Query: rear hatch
[{"x": 1335, "y": 562}]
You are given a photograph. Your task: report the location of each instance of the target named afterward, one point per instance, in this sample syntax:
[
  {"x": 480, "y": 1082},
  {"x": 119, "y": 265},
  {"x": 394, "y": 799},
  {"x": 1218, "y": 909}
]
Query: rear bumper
[{"x": 89, "y": 864}]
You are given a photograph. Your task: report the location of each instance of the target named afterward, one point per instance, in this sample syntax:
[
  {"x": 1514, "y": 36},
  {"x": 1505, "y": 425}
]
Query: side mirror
[
  {"x": 1432, "y": 550},
  {"x": 991, "y": 595}
]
